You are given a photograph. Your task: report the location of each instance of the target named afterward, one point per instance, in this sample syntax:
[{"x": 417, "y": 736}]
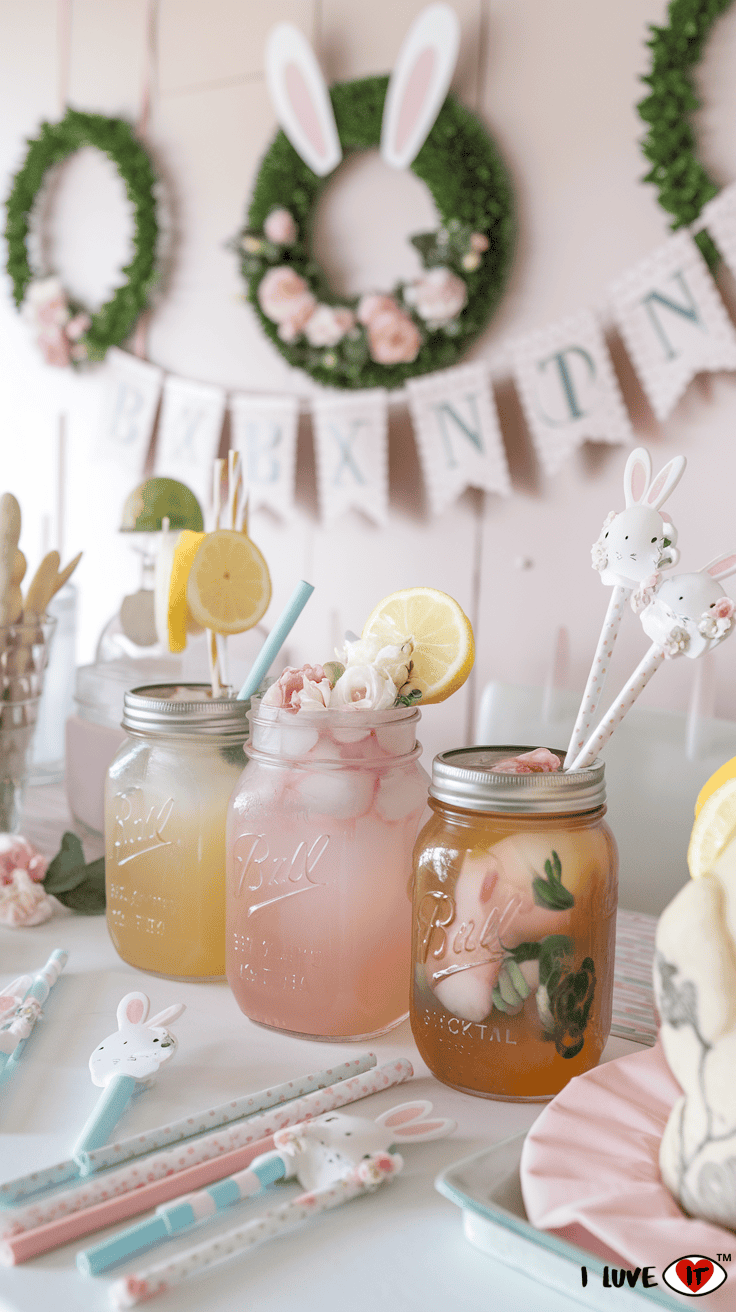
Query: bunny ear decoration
[
  {"x": 721, "y": 567},
  {"x": 637, "y": 476},
  {"x": 301, "y": 99},
  {"x": 167, "y": 1016},
  {"x": 665, "y": 482},
  {"x": 132, "y": 1010},
  {"x": 419, "y": 83},
  {"x": 410, "y": 1121}
]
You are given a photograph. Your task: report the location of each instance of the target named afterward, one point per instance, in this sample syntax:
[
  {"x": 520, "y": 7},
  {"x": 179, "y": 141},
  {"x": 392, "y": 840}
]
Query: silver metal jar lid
[
  {"x": 184, "y": 710},
  {"x": 466, "y": 778}
]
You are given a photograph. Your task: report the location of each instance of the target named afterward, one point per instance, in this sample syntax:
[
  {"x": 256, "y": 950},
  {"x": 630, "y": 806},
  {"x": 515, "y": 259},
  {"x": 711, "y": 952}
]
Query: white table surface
[{"x": 401, "y": 1248}]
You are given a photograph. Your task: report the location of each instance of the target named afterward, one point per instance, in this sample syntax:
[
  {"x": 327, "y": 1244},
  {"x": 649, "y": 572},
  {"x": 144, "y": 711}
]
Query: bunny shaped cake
[
  {"x": 140, "y": 1045},
  {"x": 638, "y": 541},
  {"x": 695, "y": 990},
  {"x": 688, "y": 614},
  {"x": 330, "y": 1147}
]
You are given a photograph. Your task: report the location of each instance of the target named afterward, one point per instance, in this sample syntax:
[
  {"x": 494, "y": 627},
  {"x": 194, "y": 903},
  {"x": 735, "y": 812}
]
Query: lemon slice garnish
[
  {"x": 444, "y": 648},
  {"x": 714, "y": 829},
  {"x": 229, "y": 586}
]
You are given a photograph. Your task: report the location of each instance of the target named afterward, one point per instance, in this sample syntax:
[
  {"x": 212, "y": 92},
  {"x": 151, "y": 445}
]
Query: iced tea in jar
[{"x": 514, "y": 912}]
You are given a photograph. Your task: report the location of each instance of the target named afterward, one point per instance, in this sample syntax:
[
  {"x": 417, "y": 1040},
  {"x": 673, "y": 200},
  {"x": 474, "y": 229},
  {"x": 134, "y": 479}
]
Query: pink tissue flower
[
  {"x": 23, "y": 901},
  {"x": 16, "y": 853},
  {"x": 286, "y": 299},
  {"x": 280, "y": 228},
  {"x": 438, "y": 296},
  {"x": 328, "y": 325},
  {"x": 724, "y": 608},
  {"x": 295, "y": 689},
  {"x": 393, "y": 338}
]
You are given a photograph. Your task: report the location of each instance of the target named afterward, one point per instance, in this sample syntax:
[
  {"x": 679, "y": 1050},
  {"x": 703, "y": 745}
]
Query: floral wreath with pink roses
[
  {"x": 65, "y": 332},
  {"x": 382, "y": 338}
]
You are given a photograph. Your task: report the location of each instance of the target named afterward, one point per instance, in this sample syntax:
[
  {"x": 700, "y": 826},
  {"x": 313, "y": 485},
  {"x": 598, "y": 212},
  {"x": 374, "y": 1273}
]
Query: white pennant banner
[
  {"x": 719, "y": 217},
  {"x": 568, "y": 389},
  {"x": 351, "y": 451},
  {"x": 673, "y": 321},
  {"x": 264, "y": 431},
  {"x": 458, "y": 434},
  {"x": 189, "y": 433},
  {"x": 130, "y": 401}
]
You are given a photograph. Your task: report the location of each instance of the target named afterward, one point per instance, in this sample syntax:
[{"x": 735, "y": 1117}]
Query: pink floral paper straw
[
  {"x": 598, "y": 669},
  {"x": 157, "y": 1279},
  {"x": 625, "y": 700}
]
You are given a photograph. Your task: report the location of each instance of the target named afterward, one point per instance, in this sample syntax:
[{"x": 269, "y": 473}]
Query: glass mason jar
[
  {"x": 166, "y": 797},
  {"x": 320, "y": 835},
  {"x": 515, "y": 894}
]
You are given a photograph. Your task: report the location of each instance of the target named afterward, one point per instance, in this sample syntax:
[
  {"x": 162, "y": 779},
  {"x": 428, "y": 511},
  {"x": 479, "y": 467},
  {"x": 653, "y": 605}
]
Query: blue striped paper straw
[{"x": 276, "y": 639}]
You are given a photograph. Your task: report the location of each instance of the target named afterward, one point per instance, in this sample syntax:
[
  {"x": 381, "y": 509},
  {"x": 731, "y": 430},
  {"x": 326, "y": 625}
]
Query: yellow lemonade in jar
[
  {"x": 514, "y": 904},
  {"x": 166, "y": 800}
]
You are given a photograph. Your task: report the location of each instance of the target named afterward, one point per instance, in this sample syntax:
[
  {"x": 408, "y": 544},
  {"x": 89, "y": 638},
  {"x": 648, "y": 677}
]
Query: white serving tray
[{"x": 487, "y": 1187}]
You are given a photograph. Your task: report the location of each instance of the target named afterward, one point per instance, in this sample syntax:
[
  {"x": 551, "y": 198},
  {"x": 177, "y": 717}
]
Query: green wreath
[
  {"x": 381, "y": 340},
  {"x": 66, "y": 333},
  {"x": 681, "y": 180}
]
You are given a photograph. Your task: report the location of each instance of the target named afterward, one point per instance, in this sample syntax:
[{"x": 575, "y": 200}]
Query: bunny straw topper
[
  {"x": 416, "y": 91},
  {"x": 688, "y": 614},
  {"x": 124, "y": 1062},
  {"x": 633, "y": 544}
]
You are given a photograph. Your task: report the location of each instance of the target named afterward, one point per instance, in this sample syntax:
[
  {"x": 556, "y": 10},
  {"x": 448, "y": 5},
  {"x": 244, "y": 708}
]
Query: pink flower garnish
[
  {"x": 286, "y": 692},
  {"x": 23, "y": 902},
  {"x": 16, "y": 853},
  {"x": 540, "y": 761}
]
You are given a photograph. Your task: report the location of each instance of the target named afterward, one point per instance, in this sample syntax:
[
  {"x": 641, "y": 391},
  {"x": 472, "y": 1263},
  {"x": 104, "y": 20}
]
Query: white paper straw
[
  {"x": 134, "y": 1175},
  {"x": 625, "y": 700},
  {"x": 598, "y": 670},
  {"x": 162, "y": 1276}
]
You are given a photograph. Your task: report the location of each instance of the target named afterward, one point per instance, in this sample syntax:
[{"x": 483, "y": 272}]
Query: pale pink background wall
[{"x": 556, "y": 84}]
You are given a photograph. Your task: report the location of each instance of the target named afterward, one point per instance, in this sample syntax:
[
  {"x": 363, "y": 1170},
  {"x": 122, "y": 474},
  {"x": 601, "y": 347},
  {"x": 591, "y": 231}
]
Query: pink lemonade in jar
[{"x": 321, "y": 829}]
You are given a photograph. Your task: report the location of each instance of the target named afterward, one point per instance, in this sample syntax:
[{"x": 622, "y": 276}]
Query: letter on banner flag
[
  {"x": 568, "y": 389},
  {"x": 458, "y": 434},
  {"x": 189, "y": 433},
  {"x": 264, "y": 431},
  {"x": 351, "y": 452},
  {"x": 129, "y": 409},
  {"x": 673, "y": 321},
  {"x": 719, "y": 217}
]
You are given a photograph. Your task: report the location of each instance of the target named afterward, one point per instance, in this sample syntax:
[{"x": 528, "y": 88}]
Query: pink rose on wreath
[
  {"x": 375, "y": 303},
  {"x": 16, "y": 853},
  {"x": 393, "y": 338},
  {"x": 479, "y": 242},
  {"x": 286, "y": 692},
  {"x": 55, "y": 347},
  {"x": 280, "y": 228},
  {"x": 328, "y": 325},
  {"x": 77, "y": 326},
  {"x": 23, "y": 901},
  {"x": 286, "y": 299},
  {"x": 45, "y": 303},
  {"x": 438, "y": 296}
]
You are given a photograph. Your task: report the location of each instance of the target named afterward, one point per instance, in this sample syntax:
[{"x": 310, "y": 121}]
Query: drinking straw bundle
[{"x": 686, "y": 614}]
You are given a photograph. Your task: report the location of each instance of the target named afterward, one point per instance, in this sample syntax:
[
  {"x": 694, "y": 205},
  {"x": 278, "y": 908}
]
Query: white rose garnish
[
  {"x": 313, "y": 696},
  {"x": 365, "y": 688},
  {"x": 393, "y": 660}
]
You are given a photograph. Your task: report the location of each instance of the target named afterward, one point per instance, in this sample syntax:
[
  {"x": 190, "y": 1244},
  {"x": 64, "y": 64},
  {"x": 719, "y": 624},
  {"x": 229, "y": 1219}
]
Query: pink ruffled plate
[{"x": 590, "y": 1172}]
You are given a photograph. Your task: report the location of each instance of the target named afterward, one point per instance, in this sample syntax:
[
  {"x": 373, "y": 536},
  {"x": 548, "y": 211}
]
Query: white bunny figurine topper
[
  {"x": 688, "y": 614},
  {"x": 416, "y": 91},
  {"x": 638, "y": 541},
  {"x": 140, "y": 1045},
  {"x": 330, "y": 1147}
]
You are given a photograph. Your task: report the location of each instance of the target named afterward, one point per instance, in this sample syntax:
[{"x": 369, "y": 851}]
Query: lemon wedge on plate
[
  {"x": 229, "y": 587},
  {"x": 444, "y": 648},
  {"x": 714, "y": 829}
]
